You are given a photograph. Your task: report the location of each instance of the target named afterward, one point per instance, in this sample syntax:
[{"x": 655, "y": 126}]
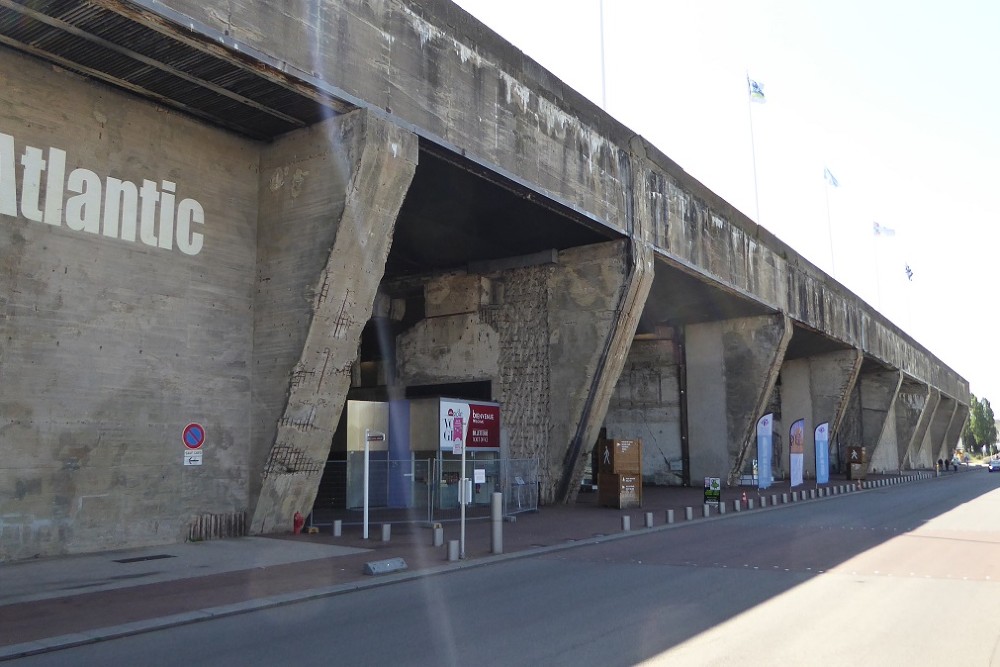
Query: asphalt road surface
[{"x": 906, "y": 575}]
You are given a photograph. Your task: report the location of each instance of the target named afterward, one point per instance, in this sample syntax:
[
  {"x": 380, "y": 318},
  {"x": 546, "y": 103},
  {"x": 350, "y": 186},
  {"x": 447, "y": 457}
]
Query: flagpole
[
  {"x": 829, "y": 228},
  {"x": 604, "y": 85},
  {"x": 878, "y": 281},
  {"x": 753, "y": 150}
]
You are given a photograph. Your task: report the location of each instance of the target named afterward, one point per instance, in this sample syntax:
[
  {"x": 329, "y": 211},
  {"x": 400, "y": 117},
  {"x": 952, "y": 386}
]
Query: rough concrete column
[
  {"x": 922, "y": 430},
  {"x": 878, "y": 393},
  {"x": 590, "y": 331},
  {"x": 940, "y": 426},
  {"x": 955, "y": 430},
  {"x": 329, "y": 200},
  {"x": 832, "y": 378},
  {"x": 910, "y": 404},
  {"x": 732, "y": 367}
]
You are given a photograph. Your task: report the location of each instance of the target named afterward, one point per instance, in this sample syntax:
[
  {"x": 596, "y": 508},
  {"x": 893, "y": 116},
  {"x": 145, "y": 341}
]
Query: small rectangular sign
[
  {"x": 479, "y": 475},
  {"x": 713, "y": 491},
  {"x": 192, "y": 457}
]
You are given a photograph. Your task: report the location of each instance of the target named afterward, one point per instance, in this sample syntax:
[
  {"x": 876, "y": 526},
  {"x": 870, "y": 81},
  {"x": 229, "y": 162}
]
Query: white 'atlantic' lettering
[{"x": 151, "y": 210}]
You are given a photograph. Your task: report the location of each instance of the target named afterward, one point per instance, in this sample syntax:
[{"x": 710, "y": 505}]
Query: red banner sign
[{"x": 484, "y": 426}]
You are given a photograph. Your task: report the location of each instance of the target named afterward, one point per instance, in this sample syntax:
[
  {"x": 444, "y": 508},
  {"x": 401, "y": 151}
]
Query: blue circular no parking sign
[{"x": 193, "y": 436}]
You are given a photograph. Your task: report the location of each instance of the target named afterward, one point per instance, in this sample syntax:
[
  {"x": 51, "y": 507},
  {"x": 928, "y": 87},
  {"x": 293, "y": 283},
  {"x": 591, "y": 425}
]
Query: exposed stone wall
[
  {"x": 505, "y": 342},
  {"x": 521, "y": 323},
  {"x": 111, "y": 341},
  {"x": 544, "y": 338}
]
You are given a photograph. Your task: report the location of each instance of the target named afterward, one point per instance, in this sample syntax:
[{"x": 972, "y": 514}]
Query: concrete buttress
[
  {"x": 910, "y": 407},
  {"x": 914, "y": 457},
  {"x": 330, "y": 195},
  {"x": 955, "y": 430},
  {"x": 732, "y": 368},
  {"x": 877, "y": 394},
  {"x": 939, "y": 428}
]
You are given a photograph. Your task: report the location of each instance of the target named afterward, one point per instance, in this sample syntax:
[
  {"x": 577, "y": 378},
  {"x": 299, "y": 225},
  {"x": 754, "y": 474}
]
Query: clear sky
[{"x": 900, "y": 100}]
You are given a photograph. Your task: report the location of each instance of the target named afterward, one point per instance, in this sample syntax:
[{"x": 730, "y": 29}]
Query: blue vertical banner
[
  {"x": 796, "y": 450},
  {"x": 823, "y": 453},
  {"x": 765, "y": 429}
]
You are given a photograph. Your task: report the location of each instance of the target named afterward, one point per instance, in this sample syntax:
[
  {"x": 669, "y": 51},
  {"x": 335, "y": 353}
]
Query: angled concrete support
[
  {"x": 955, "y": 430},
  {"x": 910, "y": 405},
  {"x": 833, "y": 376},
  {"x": 732, "y": 367},
  {"x": 330, "y": 197},
  {"x": 877, "y": 393},
  {"x": 940, "y": 427},
  {"x": 922, "y": 430},
  {"x": 582, "y": 384},
  {"x": 818, "y": 390}
]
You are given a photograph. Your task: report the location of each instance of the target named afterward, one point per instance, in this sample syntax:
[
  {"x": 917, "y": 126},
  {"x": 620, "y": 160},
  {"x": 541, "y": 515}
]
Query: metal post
[
  {"x": 364, "y": 531},
  {"x": 461, "y": 502},
  {"x": 496, "y": 516}
]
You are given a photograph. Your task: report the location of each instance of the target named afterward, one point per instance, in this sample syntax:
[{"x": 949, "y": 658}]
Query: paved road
[{"x": 881, "y": 577}]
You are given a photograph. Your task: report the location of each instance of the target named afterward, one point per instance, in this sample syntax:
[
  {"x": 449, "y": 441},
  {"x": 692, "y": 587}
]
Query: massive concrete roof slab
[{"x": 264, "y": 68}]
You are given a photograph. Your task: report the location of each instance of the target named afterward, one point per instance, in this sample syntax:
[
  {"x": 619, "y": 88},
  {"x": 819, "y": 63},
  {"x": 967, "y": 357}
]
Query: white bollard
[
  {"x": 763, "y": 502},
  {"x": 737, "y": 505},
  {"x": 649, "y": 519},
  {"x": 626, "y": 524},
  {"x": 453, "y": 550},
  {"x": 688, "y": 513},
  {"x": 438, "y": 535},
  {"x": 795, "y": 496},
  {"x": 670, "y": 516},
  {"x": 338, "y": 527},
  {"x": 706, "y": 510},
  {"x": 722, "y": 507},
  {"x": 750, "y": 503},
  {"x": 784, "y": 498},
  {"x": 386, "y": 531},
  {"x": 774, "y": 499}
]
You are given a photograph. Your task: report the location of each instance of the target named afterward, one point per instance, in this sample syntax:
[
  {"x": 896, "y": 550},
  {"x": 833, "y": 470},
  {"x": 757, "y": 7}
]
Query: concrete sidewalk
[{"x": 55, "y": 603}]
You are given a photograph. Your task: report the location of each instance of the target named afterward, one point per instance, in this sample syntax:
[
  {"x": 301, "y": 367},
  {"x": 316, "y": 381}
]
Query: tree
[
  {"x": 968, "y": 435},
  {"x": 982, "y": 423}
]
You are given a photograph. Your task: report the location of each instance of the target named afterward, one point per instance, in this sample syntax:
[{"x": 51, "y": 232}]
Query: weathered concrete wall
[
  {"x": 732, "y": 367},
  {"x": 796, "y": 403},
  {"x": 919, "y": 450},
  {"x": 110, "y": 346},
  {"x": 955, "y": 430},
  {"x": 909, "y": 406},
  {"x": 647, "y": 405},
  {"x": 878, "y": 392},
  {"x": 541, "y": 346},
  {"x": 506, "y": 343},
  {"x": 305, "y": 187},
  {"x": 886, "y": 453}
]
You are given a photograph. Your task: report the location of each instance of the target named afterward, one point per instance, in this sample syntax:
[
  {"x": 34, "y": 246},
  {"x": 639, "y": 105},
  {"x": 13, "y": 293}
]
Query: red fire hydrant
[{"x": 297, "y": 522}]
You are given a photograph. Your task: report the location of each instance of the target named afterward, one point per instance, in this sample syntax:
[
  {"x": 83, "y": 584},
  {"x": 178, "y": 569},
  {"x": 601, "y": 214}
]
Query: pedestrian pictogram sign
[{"x": 193, "y": 436}]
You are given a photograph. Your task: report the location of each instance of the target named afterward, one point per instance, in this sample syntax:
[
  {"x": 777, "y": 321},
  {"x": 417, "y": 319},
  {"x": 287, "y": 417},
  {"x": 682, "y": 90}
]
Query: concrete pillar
[
  {"x": 955, "y": 429},
  {"x": 596, "y": 297},
  {"x": 910, "y": 404},
  {"x": 938, "y": 430},
  {"x": 329, "y": 199},
  {"x": 832, "y": 376},
  {"x": 877, "y": 393},
  {"x": 920, "y": 430},
  {"x": 732, "y": 367}
]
